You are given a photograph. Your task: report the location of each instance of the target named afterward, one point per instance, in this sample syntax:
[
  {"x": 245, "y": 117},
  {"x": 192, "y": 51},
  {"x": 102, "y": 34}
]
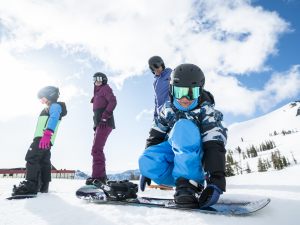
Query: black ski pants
[{"x": 38, "y": 163}]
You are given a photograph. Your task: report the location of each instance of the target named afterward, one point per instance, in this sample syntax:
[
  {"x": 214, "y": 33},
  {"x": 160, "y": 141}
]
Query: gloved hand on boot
[
  {"x": 209, "y": 196},
  {"x": 144, "y": 181}
]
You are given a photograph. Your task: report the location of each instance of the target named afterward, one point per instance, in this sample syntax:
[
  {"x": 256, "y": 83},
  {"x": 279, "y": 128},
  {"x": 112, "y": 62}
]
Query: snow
[
  {"x": 258, "y": 130},
  {"x": 60, "y": 206}
]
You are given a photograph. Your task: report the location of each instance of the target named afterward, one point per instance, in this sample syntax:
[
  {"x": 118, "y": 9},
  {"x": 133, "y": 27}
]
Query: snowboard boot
[
  {"x": 187, "y": 193},
  {"x": 92, "y": 181},
  {"x": 45, "y": 188},
  {"x": 25, "y": 187},
  {"x": 103, "y": 180}
]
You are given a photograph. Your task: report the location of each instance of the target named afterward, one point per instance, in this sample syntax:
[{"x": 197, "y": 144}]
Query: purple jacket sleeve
[{"x": 111, "y": 98}]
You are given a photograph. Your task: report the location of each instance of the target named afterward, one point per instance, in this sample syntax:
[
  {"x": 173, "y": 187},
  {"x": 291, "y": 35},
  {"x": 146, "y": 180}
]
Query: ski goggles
[
  {"x": 154, "y": 66},
  {"x": 98, "y": 79},
  {"x": 43, "y": 100},
  {"x": 190, "y": 93}
]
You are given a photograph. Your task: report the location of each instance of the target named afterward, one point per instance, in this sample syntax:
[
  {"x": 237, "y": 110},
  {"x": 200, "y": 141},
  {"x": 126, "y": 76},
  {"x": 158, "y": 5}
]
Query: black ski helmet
[
  {"x": 187, "y": 75},
  {"x": 104, "y": 77},
  {"x": 50, "y": 93},
  {"x": 157, "y": 62}
]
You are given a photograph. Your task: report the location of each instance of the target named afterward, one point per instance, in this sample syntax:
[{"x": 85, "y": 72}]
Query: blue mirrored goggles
[
  {"x": 190, "y": 93},
  {"x": 98, "y": 79}
]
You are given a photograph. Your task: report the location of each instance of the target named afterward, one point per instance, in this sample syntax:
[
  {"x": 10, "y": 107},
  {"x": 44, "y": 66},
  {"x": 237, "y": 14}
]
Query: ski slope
[
  {"x": 258, "y": 130},
  {"x": 60, "y": 206}
]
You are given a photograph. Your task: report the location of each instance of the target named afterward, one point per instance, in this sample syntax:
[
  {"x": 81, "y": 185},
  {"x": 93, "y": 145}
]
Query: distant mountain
[
  {"x": 80, "y": 175},
  {"x": 119, "y": 176},
  {"x": 124, "y": 175}
]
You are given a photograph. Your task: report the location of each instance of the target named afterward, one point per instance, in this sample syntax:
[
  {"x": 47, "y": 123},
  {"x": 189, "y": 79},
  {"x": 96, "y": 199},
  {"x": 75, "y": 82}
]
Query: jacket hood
[{"x": 63, "y": 108}]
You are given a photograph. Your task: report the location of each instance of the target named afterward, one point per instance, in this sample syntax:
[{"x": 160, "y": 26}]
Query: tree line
[{"x": 277, "y": 160}]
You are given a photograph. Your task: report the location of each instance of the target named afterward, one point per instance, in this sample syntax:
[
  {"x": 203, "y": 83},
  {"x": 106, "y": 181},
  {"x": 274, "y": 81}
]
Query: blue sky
[{"x": 248, "y": 50}]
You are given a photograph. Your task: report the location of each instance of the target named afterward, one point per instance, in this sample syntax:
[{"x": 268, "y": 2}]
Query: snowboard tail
[
  {"x": 22, "y": 196},
  {"x": 93, "y": 194}
]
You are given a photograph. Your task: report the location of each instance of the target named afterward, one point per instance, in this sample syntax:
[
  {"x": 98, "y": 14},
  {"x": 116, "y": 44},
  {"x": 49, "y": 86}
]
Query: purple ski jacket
[{"x": 104, "y": 100}]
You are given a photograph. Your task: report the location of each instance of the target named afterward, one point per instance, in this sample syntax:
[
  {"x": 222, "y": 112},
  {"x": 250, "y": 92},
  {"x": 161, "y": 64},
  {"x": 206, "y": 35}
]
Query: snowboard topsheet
[{"x": 93, "y": 194}]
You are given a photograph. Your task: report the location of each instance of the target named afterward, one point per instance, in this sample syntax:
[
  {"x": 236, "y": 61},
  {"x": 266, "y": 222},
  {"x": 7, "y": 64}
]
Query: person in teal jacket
[{"x": 38, "y": 166}]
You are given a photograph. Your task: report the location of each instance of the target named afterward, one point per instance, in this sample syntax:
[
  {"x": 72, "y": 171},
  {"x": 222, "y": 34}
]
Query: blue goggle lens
[{"x": 190, "y": 93}]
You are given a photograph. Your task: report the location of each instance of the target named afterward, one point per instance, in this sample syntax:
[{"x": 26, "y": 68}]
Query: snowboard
[
  {"x": 93, "y": 194},
  {"x": 22, "y": 196}
]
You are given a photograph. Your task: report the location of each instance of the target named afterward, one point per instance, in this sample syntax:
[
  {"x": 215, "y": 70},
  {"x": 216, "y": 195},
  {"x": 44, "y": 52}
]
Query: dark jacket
[{"x": 103, "y": 100}]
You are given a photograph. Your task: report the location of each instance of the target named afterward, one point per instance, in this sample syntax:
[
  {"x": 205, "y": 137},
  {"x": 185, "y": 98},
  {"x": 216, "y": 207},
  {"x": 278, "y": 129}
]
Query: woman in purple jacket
[{"x": 104, "y": 102}]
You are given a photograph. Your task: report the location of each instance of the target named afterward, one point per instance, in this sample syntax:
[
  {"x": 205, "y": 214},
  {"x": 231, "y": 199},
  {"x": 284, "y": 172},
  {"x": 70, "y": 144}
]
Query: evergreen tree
[
  {"x": 263, "y": 146},
  {"x": 254, "y": 152},
  {"x": 278, "y": 152},
  {"x": 236, "y": 167},
  {"x": 244, "y": 155},
  {"x": 295, "y": 161},
  {"x": 228, "y": 170},
  {"x": 285, "y": 164},
  {"x": 238, "y": 149},
  {"x": 280, "y": 164},
  {"x": 132, "y": 176},
  {"x": 268, "y": 164},
  {"x": 272, "y": 159},
  {"x": 260, "y": 165},
  {"x": 248, "y": 168}
]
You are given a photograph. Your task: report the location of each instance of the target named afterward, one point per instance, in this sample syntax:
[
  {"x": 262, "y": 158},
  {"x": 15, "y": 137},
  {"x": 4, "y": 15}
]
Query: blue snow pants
[{"x": 180, "y": 156}]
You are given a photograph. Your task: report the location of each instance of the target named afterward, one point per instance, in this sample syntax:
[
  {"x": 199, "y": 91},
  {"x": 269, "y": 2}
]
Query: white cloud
[
  {"x": 280, "y": 87},
  {"x": 70, "y": 91},
  {"x": 145, "y": 111},
  {"x": 19, "y": 84},
  {"x": 222, "y": 37},
  {"x": 231, "y": 96}
]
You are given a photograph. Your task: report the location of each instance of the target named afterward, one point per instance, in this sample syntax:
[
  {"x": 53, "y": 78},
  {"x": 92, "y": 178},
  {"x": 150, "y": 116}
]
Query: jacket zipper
[{"x": 46, "y": 123}]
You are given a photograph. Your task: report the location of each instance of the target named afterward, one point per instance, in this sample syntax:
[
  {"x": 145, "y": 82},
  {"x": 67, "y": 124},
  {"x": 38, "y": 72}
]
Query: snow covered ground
[
  {"x": 258, "y": 130},
  {"x": 60, "y": 206}
]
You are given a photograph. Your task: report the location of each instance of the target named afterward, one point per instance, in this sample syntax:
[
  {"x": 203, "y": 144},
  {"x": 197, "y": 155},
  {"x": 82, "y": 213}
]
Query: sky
[{"x": 248, "y": 51}]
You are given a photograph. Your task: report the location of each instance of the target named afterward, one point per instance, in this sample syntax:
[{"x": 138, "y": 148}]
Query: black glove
[{"x": 143, "y": 181}]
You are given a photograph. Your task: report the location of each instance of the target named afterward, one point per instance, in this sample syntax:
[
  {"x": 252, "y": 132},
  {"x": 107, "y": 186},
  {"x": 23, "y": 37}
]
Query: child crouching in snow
[{"x": 186, "y": 139}]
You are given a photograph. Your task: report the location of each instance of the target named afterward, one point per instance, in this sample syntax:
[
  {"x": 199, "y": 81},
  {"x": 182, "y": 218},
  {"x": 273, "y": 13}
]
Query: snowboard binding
[
  {"x": 118, "y": 190},
  {"x": 25, "y": 187}
]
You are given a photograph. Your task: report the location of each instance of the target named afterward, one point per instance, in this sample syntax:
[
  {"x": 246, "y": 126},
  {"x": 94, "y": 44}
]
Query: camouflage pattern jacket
[{"x": 212, "y": 129}]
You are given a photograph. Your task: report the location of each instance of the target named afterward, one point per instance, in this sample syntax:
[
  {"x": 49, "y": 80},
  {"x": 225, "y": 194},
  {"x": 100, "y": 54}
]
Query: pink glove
[
  {"x": 45, "y": 141},
  {"x": 104, "y": 119}
]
